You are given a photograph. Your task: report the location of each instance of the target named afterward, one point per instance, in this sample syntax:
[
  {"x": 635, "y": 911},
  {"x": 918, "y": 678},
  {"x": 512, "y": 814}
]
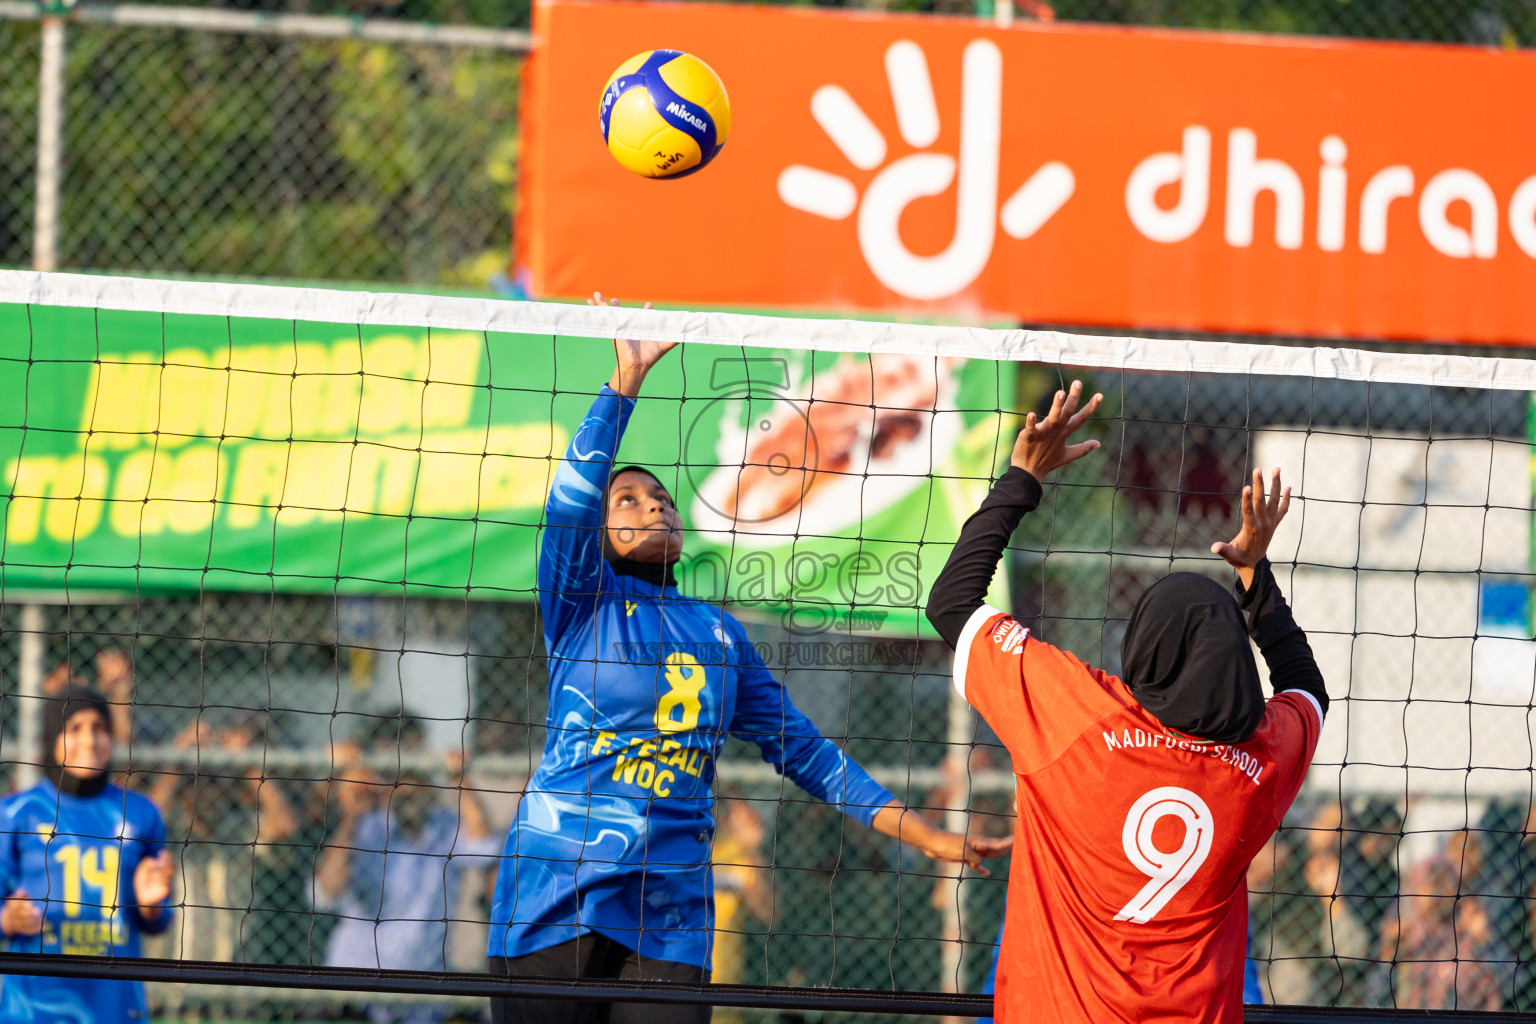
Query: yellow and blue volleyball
[{"x": 665, "y": 114}]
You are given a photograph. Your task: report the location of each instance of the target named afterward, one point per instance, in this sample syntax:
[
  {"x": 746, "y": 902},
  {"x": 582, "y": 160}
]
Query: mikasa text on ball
[{"x": 665, "y": 114}]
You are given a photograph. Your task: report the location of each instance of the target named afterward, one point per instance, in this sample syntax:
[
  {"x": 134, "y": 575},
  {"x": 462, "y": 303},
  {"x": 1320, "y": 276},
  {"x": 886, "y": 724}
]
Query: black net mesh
[{"x": 268, "y": 724}]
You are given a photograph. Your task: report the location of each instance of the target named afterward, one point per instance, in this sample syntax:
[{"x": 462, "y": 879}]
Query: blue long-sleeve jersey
[
  {"x": 614, "y": 831},
  {"x": 75, "y": 858}
]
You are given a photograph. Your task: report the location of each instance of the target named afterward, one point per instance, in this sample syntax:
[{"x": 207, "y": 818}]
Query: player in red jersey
[{"x": 1141, "y": 799}]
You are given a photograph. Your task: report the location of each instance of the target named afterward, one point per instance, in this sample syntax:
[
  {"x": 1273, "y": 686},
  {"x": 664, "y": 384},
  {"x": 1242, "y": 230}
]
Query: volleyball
[{"x": 665, "y": 114}]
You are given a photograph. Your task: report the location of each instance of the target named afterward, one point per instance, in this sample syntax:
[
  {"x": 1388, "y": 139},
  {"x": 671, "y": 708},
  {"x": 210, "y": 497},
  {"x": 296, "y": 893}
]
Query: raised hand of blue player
[
  {"x": 152, "y": 882},
  {"x": 634, "y": 359},
  {"x": 939, "y": 844},
  {"x": 20, "y": 916},
  {"x": 953, "y": 847}
]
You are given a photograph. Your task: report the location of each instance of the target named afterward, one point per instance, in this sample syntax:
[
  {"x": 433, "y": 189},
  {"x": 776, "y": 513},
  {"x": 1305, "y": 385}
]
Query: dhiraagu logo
[{"x": 924, "y": 173}]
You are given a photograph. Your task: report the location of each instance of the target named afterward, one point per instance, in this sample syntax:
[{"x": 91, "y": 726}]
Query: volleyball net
[{"x": 293, "y": 536}]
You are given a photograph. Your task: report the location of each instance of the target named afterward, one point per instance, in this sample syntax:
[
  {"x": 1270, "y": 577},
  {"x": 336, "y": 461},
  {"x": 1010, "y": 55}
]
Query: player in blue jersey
[
  {"x": 84, "y": 871},
  {"x": 606, "y": 870}
]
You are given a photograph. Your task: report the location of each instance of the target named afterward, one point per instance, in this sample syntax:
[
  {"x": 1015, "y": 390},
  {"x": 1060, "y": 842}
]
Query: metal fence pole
[
  {"x": 30, "y": 689},
  {"x": 50, "y": 142},
  {"x": 45, "y": 256}
]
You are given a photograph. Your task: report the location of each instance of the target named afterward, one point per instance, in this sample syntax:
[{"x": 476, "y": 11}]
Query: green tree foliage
[
  {"x": 1490, "y": 22},
  {"x": 18, "y": 127},
  {"x": 223, "y": 154}
]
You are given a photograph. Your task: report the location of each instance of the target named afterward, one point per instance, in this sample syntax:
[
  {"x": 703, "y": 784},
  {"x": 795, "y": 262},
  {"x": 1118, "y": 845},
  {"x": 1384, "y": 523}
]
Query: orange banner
[{"x": 1048, "y": 174}]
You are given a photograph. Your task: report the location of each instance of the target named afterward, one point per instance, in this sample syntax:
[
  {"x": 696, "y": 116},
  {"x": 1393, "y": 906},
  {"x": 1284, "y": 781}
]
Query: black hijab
[
  {"x": 659, "y": 573},
  {"x": 57, "y": 711},
  {"x": 1187, "y": 659}
]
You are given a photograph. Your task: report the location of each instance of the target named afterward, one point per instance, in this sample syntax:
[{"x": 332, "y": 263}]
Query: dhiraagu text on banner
[
  {"x": 170, "y": 453},
  {"x": 1177, "y": 180}
]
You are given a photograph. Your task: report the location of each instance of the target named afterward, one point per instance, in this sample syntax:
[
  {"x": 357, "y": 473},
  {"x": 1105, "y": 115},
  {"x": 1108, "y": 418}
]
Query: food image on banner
[
  {"x": 826, "y": 489},
  {"x": 789, "y": 463}
]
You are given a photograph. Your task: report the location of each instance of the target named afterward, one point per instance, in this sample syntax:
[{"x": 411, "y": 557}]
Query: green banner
[{"x": 172, "y": 453}]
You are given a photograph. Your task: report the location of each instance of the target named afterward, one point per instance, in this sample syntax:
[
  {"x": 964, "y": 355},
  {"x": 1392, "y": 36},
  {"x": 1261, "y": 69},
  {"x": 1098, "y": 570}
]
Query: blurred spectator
[
  {"x": 1439, "y": 945},
  {"x": 277, "y": 928},
  {"x": 59, "y": 678},
  {"x": 114, "y": 678},
  {"x": 392, "y": 869},
  {"x": 244, "y": 879},
  {"x": 1504, "y": 880},
  {"x": 270, "y": 818},
  {"x": 1479, "y": 948},
  {"x": 1145, "y": 486},
  {"x": 1208, "y": 489},
  {"x": 1261, "y": 897},
  {"x": 742, "y": 892},
  {"x": 1369, "y": 865},
  {"x": 394, "y": 733},
  {"x": 1487, "y": 864},
  {"x": 1348, "y": 942},
  {"x": 1282, "y": 919},
  {"x": 131, "y": 718},
  {"x": 1288, "y": 931}
]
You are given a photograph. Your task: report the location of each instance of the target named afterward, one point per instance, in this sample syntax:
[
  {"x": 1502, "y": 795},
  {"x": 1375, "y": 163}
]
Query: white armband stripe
[
  {"x": 1313, "y": 701},
  {"x": 963, "y": 649}
]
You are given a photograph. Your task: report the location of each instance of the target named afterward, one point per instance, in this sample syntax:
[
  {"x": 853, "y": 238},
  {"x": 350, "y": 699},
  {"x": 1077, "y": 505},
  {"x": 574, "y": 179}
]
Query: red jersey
[{"x": 1127, "y": 899}]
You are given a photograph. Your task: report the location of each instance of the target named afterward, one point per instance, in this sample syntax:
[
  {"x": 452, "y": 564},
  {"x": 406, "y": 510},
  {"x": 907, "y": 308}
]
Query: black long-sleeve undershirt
[
  {"x": 1282, "y": 643},
  {"x": 965, "y": 579},
  {"x": 962, "y": 587}
]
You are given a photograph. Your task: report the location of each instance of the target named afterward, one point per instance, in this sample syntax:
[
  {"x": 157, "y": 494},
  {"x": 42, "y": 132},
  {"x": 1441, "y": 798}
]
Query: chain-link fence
[
  {"x": 1485, "y": 22},
  {"x": 250, "y": 154},
  {"x": 230, "y": 154},
  {"x": 1482, "y": 22},
  {"x": 20, "y": 41}
]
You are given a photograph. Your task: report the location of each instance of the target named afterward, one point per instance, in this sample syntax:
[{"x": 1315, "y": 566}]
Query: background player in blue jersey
[
  {"x": 84, "y": 869},
  {"x": 605, "y": 872}
]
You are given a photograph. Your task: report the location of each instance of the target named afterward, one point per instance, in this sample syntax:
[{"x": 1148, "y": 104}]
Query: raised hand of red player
[
  {"x": 1261, "y": 515},
  {"x": 1042, "y": 446}
]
